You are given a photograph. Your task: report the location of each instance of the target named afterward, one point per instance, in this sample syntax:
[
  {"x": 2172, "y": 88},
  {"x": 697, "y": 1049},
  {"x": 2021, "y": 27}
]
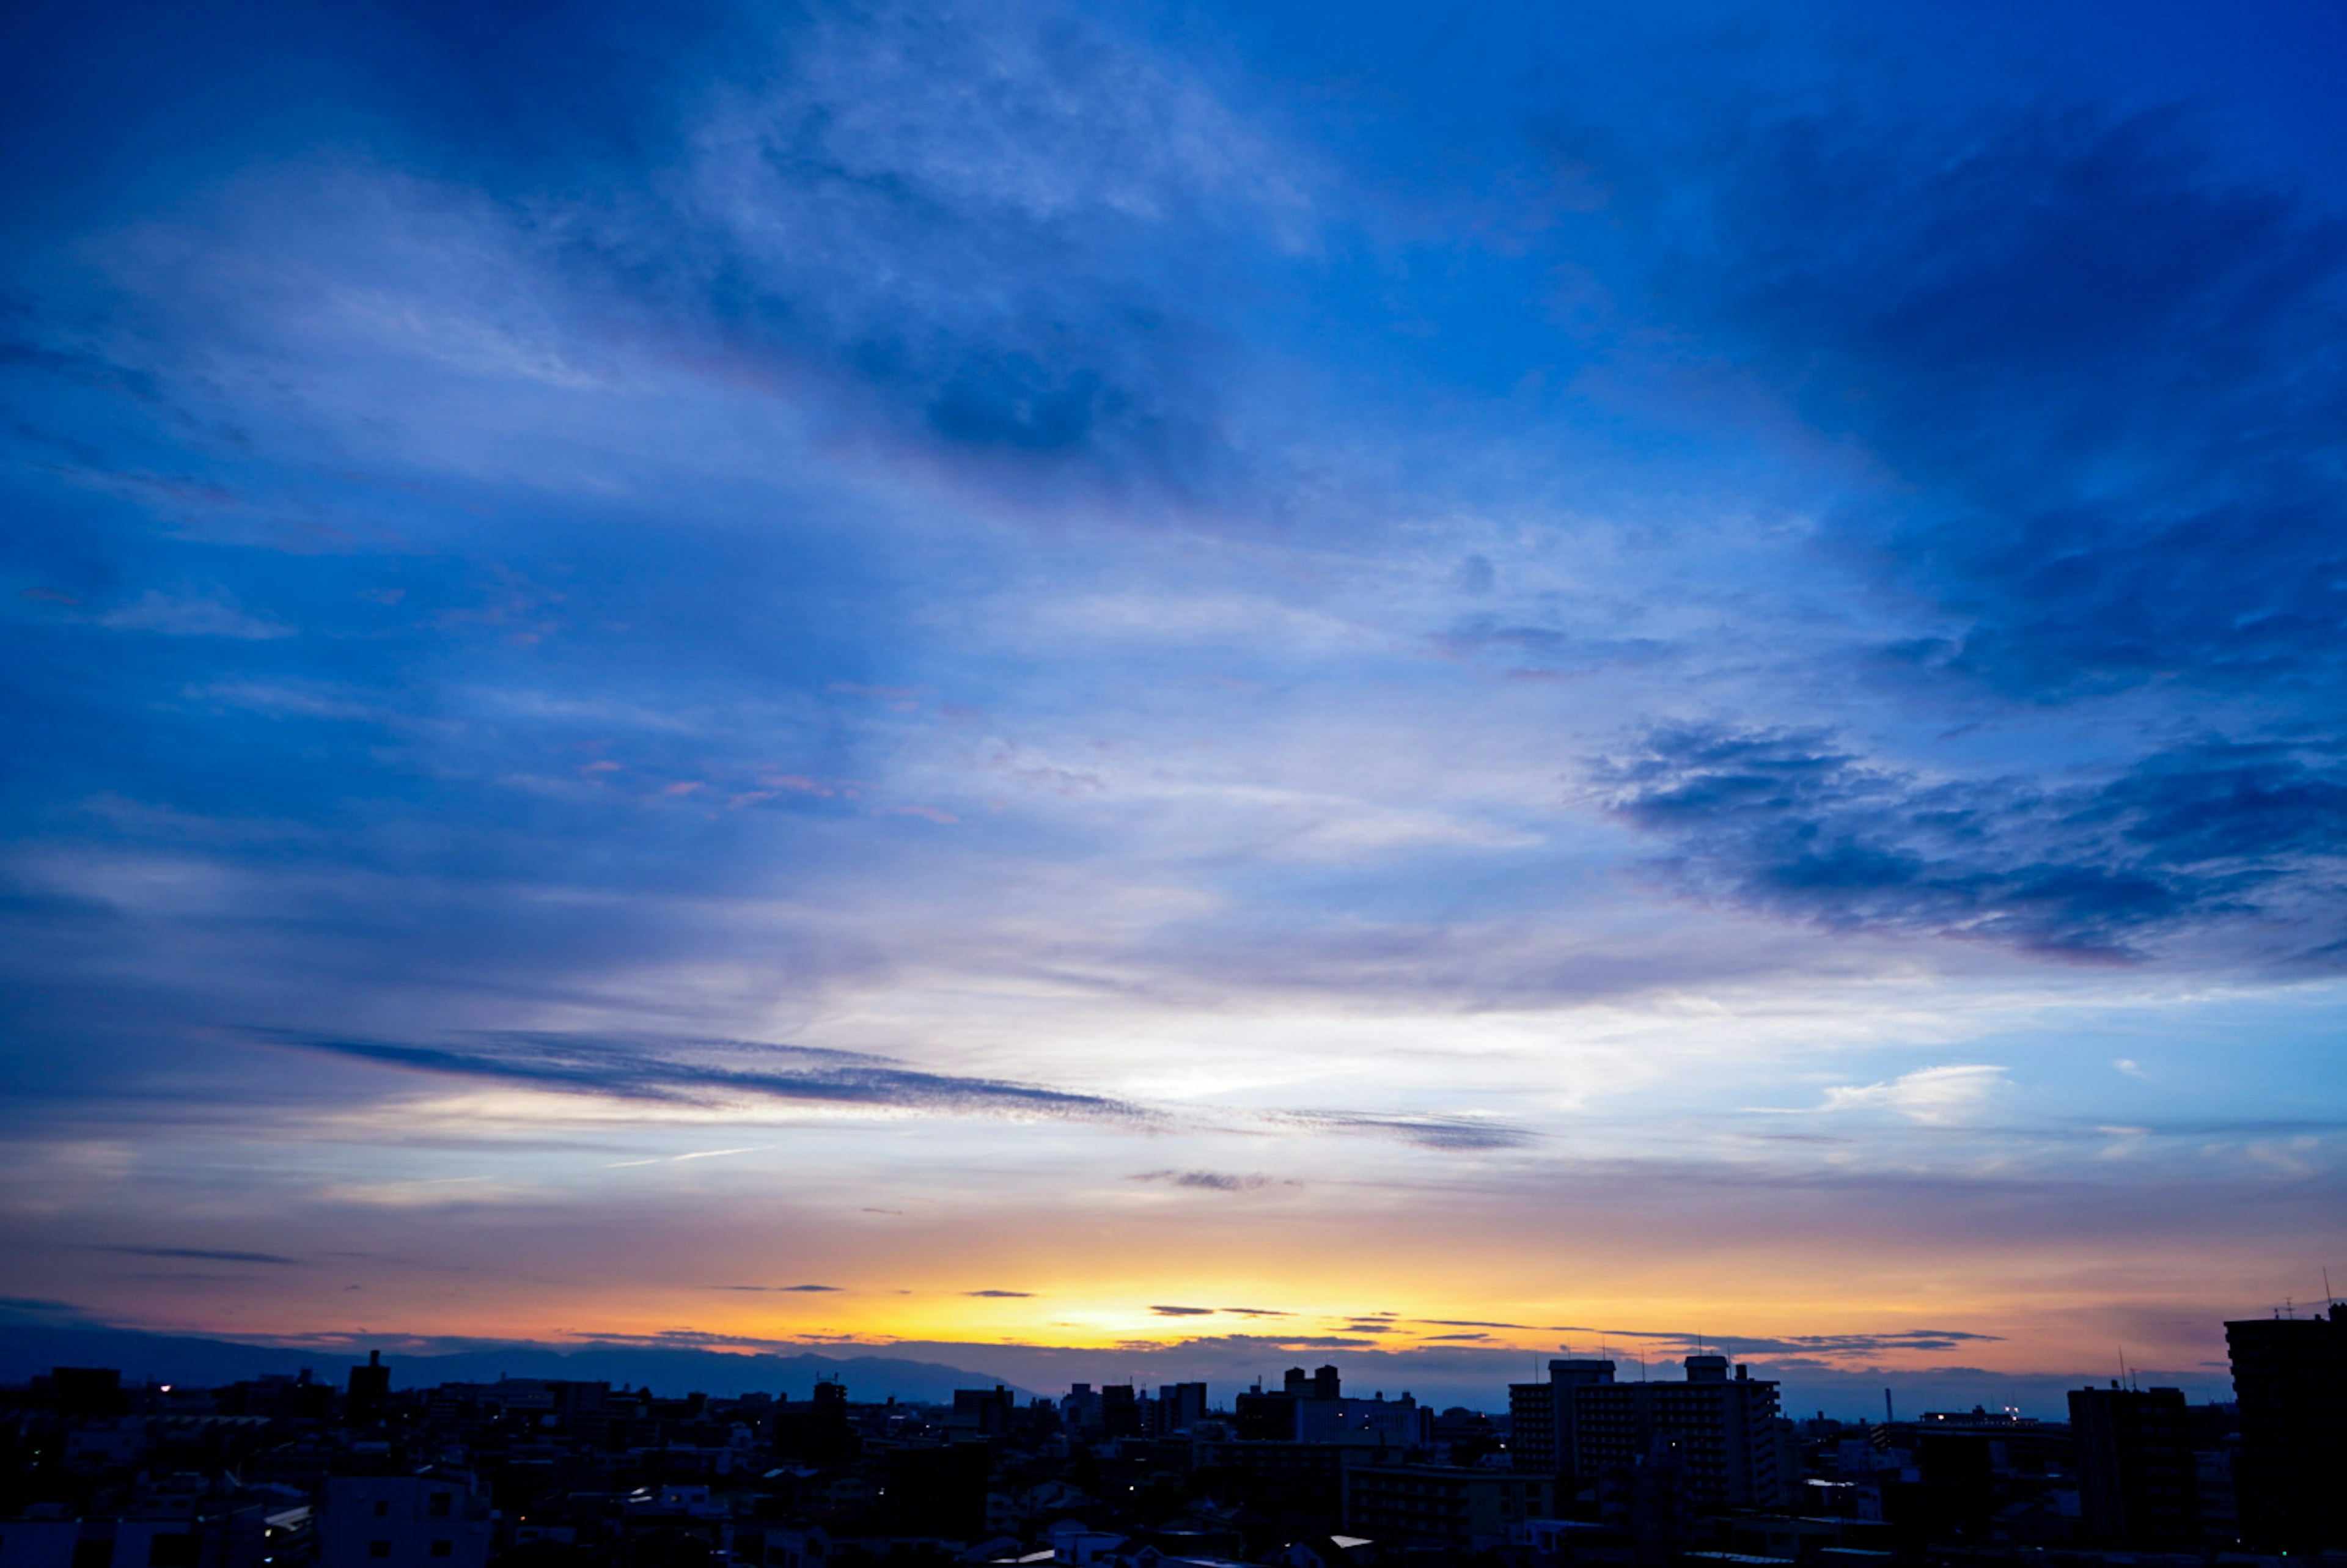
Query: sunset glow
[{"x": 1132, "y": 688}]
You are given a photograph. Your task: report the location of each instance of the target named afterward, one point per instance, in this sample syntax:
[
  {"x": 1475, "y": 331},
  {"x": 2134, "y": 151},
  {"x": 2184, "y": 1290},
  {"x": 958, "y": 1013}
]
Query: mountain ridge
[{"x": 27, "y": 1350}]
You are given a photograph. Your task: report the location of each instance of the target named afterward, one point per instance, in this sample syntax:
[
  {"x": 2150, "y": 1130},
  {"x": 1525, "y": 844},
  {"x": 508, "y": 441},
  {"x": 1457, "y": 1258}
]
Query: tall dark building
[
  {"x": 2138, "y": 1484},
  {"x": 1261, "y": 1417},
  {"x": 370, "y": 1391},
  {"x": 1321, "y": 1385},
  {"x": 983, "y": 1411},
  {"x": 1119, "y": 1410},
  {"x": 1541, "y": 1418},
  {"x": 1567, "y": 1378},
  {"x": 818, "y": 1432},
  {"x": 2290, "y": 1379},
  {"x": 1181, "y": 1406},
  {"x": 1724, "y": 1429},
  {"x": 1531, "y": 1428}
]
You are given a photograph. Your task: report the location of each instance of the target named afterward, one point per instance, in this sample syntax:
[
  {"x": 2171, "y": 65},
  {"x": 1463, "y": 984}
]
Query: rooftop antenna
[{"x": 2328, "y": 1299}]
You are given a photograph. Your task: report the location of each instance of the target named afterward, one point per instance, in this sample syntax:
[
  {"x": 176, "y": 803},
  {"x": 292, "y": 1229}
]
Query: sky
[{"x": 1178, "y": 686}]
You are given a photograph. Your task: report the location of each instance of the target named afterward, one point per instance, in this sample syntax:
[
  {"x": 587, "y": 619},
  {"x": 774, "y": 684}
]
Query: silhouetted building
[
  {"x": 986, "y": 1412},
  {"x": 1321, "y": 1385},
  {"x": 427, "y": 1521},
  {"x": 1376, "y": 1423},
  {"x": 2289, "y": 1378},
  {"x": 1532, "y": 1428},
  {"x": 1566, "y": 1376},
  {"x": 2137, "y": 1485},
  {"x": 939, "y": 1492},
  {"x": 1724, "y": 1429},
  {"x": 1080, "y": 1409},
  {"x": 1647, "y": 1500},
  {"x": 1461, "y": 1507},
  {"x": 818, "y": 1432},
  {"x": 1120, "y": 1411},
  {"x": 1541, "y": 1429},
  {"x": 370, "y": 1391},
  {"x": 1181, "y": 1406},
  {"x": 85, "y": 1390}
]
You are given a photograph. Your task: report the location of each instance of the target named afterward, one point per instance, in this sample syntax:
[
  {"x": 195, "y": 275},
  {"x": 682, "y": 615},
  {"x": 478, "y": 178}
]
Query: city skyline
[{"x": 1194, "y": 682}]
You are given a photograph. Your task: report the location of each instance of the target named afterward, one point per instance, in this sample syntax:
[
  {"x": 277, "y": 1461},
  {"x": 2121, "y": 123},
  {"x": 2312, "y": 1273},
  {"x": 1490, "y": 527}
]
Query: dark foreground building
[
  {"x": 2137, "y": 1483},
  {"x": 2290, "y": 1375}
]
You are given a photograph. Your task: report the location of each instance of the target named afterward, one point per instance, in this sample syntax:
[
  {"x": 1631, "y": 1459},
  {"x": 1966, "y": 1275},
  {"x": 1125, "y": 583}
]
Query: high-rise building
[
  {"x": 1724, "y": 1429},
  {"x": 1181, "y": 1406},
  {"x": 1320, "y": 1385},
  {"x": 1080, "y": 1408},
  {"x": 1120, "y": 1411},
  {"x": 370, "y": 1391},
  {"x": 986, "y": 1412},
  {"x": 1532, "y": 1428},
  {"x": 1565, "y": 1377},
  {"x": 2137, "y": 1485},
  {"x": 1541, "y": 1418},
  {"x": 2289, "y": 1378},
  {"x": 1379, "y": 1422}
]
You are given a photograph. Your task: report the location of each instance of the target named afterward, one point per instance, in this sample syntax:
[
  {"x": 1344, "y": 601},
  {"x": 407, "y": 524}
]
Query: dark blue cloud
[
  {"x": 1463, "y": 1133},
  {"x": 1821, "y": 1344},
  {"x": 2102, "y": 370},
  {"x": 705, "y": 1071},
  {"x": 984, "y": 238},
  {"x": 205, "y": 1254},
  {"x": 781, "y": 1289},
  {"x": 1206, "y": 1181},
  {"x": 1789, "y": 822}
]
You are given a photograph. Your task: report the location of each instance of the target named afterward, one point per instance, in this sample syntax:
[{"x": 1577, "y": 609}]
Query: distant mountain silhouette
[{"x": 29, "y": 1350}]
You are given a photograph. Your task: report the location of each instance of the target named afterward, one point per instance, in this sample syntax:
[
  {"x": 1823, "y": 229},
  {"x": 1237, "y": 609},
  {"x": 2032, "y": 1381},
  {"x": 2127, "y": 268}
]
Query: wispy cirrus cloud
[
  {"x": 208, "y": 1255},
  {"x": 697, "y": 1072},
  {"x": 1453, "y": 1131},
  {"x": 1208, "y": 1181},
  {"x": 781, "y": 1289}
]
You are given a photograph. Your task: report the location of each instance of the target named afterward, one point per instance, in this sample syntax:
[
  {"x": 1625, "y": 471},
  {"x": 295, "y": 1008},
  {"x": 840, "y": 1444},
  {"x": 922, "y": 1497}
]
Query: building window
[
  {"x": 443, "y": 1549},
  {"x": 378, "y": 1548},
  {"x": 440, "y": 1503},
  {"x": 383, "y": 1509}
]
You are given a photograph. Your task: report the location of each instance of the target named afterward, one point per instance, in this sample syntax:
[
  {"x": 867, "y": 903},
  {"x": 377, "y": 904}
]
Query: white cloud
[{"x": 1938, "y": 1095}]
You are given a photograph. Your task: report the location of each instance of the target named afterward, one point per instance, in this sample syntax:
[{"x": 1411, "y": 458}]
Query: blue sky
[{"x": 855, "y": 642}]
